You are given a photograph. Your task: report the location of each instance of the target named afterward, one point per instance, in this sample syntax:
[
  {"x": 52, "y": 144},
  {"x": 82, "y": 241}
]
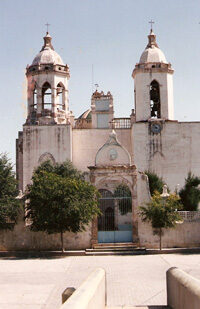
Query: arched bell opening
[
  {"x": 35, "y": 98},
  {"x": 33, "y": 104},
  {"x": 155, "y": 99},
  {"x": 46, "y": 97},
  {"x": 61, "y": 97}
]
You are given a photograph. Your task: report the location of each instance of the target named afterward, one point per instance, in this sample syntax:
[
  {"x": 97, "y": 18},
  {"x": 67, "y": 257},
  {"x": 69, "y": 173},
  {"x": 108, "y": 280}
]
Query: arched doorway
[{"x": 115, "y": 222}]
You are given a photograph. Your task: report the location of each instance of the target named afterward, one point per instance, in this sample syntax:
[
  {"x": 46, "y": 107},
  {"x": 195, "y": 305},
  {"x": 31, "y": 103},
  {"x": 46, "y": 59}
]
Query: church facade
[{"x": 113, "y": 152}]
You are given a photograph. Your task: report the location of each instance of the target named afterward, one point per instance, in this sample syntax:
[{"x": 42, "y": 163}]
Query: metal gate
[{"x": 115, "y": 222}]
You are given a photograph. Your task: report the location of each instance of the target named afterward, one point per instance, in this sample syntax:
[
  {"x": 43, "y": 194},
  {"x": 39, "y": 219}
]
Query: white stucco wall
[
  {"x": 183, "y": 235},
  {"x": 87, "y": 142},
  {"x": 22, "y": 238},
  {"x": 171, "y": 154}
]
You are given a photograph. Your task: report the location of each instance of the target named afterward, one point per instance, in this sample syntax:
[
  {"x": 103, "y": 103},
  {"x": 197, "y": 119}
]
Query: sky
[{"x": 108, "y": 35}]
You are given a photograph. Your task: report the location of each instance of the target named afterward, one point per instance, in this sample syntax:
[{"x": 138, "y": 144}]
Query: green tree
[
  {"x": 190, "y": 193},
  {"x": 9, "y": 205},
  {"x": 161, "y": 213},
  {"x": 156, "y": 183},
  {"x": 60, "y": 200}
]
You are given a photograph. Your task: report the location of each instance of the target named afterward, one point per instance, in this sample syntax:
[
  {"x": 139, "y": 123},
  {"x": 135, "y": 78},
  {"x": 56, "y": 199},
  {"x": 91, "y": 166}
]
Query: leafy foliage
[
  {"x": 9, "y": 205},
  {"x": 190, "y": 193},
  {"x": 161, "y": 213},
  {"x": 65, "y": 169},
  {"x": 123, "y": 194},
  {"x": 156, "y": 183},
  {"x": 60, "y": 200}
]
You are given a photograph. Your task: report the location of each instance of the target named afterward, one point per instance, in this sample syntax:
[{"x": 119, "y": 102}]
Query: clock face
[
  {"x": 113, "y": 154},
  {"x": 156, "y": 128}
]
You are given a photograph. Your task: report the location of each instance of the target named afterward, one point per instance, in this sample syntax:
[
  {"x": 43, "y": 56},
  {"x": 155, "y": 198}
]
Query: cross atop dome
[
  {"x": 151, "y": 22},
  {"x": 47, "y": 24}
]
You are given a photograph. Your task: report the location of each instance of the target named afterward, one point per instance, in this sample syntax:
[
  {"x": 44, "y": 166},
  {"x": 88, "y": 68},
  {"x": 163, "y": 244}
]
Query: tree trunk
[
  {"x": 160, "y": 234},
  {"x": 61, "y": 238}
]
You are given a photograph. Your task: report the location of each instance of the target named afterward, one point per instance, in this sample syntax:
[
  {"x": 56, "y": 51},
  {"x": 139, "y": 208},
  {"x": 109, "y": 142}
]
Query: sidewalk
[{"x": 37, "y": 283}]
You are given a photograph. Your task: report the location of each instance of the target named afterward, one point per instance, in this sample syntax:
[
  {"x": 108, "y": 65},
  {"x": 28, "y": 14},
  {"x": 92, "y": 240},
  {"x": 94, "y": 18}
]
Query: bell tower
[
  {"x": 47, "y": 132},
  {"x": 47, "y": 91},
  {"x": 153, "y": 80}
]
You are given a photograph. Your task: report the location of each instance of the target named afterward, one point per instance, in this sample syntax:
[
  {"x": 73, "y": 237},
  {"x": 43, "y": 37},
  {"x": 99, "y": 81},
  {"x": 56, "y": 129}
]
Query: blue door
[{"x": 115, "y": 222}]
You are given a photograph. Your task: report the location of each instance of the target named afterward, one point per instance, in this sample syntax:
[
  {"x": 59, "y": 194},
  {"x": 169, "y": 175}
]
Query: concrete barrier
[
  {"x": 91, "y": 294},
  {"x": 183, "y": 291}
]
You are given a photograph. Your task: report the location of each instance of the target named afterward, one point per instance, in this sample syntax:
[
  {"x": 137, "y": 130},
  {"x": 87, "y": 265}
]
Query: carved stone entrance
[{"x": 118, "y": 222}]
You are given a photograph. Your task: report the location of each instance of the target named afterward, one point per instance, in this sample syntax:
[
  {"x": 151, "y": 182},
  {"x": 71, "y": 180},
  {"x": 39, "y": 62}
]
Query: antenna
[{"x": 92, "y": 78}]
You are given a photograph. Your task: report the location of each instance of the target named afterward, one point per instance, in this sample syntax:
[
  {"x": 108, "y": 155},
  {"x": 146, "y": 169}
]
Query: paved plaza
[{"x": 131, "y": 280}]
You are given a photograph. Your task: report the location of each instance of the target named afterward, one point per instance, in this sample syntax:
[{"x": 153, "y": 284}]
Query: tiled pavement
[{"x": 131, "y": 280}]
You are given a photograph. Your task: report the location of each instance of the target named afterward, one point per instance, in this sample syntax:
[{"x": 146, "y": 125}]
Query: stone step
[
  {"x": 110, "y": 249},
  {"x": 116, "y": 245}
]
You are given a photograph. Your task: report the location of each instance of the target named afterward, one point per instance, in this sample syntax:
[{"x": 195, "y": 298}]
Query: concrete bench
[
  {"x": 183, "y": 291},
  {"x": 91, "y": 294}
]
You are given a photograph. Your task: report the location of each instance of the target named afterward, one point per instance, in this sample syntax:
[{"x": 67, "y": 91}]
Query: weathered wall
[
  {"x": 86, "y": 143},
  {"x": 184, "y": 235},
  {"x": 142, "y": 95},
  {"x": 38, "y": 140},
  {"x": 21, "y": 238},
  {"x": 171, "y": 154}
]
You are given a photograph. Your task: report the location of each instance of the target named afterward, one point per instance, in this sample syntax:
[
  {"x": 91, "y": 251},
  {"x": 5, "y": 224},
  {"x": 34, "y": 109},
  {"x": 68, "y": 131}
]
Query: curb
[{"x": 59, "y": 254}]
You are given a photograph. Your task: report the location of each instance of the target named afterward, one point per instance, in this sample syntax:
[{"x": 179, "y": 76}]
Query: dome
[
  {"x": 152, "y": 52},
  {"x": 86, "y": 115},
  {"x": 47, "y": 55}
]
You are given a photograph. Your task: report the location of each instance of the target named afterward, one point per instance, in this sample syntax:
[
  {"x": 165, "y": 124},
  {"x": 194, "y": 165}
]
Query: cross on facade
[
  {"x": 151, "y": 22},
  {"x": 47, "y": 27}
]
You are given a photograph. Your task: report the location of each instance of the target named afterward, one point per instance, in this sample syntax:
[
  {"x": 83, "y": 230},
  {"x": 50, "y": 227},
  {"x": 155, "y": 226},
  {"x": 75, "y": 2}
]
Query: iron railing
[
  {"x": 121, "y": 123},
  {"x": 190, "y": 216}
]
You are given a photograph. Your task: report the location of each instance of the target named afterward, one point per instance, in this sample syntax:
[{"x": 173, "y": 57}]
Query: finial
[
  {"x": 47, "y": 24},
  {"x": 47, "y": 39},
  {"x": 151, "y": 22},
  {"x": 165, "y": 193},
  {"x": 152, "y": 37},
  {"x": 97, "y": 86}
]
